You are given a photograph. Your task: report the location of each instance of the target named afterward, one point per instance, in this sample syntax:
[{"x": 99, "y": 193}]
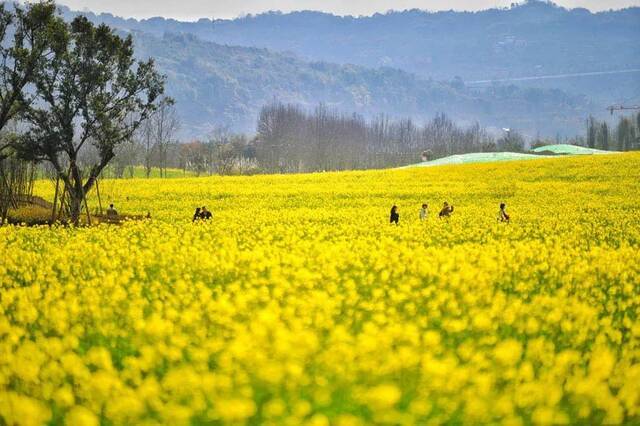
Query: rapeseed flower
[{"x": 308, "y": 308}]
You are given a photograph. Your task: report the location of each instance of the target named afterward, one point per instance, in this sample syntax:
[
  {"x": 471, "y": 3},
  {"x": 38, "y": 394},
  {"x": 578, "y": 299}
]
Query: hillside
[
  {"x": 225, "y": 85},
  {"x": 534, "y": 39}
]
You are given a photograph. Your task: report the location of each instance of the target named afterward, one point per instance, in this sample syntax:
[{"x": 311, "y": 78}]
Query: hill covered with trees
[
  {"x": 535, "y": 38},
  {"x": 401, "y": 64},
  {"x": 216, "y": 85}
]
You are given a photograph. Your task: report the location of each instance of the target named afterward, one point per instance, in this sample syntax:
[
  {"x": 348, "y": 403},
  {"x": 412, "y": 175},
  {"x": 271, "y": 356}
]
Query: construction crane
[{"x": 613, "y": 108}]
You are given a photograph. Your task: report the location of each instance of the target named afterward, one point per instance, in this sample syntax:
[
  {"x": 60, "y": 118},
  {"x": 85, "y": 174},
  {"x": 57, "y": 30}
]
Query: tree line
[
  {"x": 625, "y": 136},
  {"x": 290, "y": 139}
]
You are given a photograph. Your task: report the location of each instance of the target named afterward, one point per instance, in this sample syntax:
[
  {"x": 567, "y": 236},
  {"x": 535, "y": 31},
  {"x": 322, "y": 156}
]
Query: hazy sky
[{"x": 194, "y": 9}]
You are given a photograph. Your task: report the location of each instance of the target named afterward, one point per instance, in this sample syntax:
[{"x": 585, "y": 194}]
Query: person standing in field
[
  {"x": 424, "y": 212},
  {"x": 446, "y": 210},
  {"x": 196, "y": 215},
  {"x": 502, "y": 214},
  {"x": 395, "y": 216}
]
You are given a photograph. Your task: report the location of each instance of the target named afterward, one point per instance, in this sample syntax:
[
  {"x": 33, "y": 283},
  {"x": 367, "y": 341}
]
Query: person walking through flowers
[
  {"x": 446, "y": 211},
  {"x": 196, "y": 215},
  {"x": 502, "y": 214},
  {"x": 395, "y": 216},
  {"x": 424, "y": 212}
]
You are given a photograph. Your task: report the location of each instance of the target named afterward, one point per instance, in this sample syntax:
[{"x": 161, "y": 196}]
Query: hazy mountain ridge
[
  {"x": 533, "y": 38},
  {"x": 309, "y": 57},
  {"x": 218, "y": 85}
]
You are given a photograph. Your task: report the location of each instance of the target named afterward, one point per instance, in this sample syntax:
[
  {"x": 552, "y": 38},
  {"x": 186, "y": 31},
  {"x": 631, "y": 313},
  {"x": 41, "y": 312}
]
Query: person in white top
[{"x": 424, "y": 212}]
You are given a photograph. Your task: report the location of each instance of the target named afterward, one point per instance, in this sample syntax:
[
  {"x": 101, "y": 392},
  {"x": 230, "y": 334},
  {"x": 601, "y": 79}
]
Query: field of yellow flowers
[{"x": 300, "y": 304}]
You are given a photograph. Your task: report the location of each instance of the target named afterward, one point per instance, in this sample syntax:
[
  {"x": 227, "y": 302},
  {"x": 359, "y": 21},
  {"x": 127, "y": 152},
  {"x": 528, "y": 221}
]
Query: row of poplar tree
[
  {"x": 625, "y": 136},
  {"x": 292, "y": 139}
]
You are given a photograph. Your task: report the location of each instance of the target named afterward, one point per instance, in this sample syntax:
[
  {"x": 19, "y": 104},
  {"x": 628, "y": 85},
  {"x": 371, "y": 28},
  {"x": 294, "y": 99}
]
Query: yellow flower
[
  {"x": 298, "y": 304},
  {"x": 64, "y": 397},
  {"x": 18, "y": 409},
  {"x": 235, "y": 409},
  {"x": 383, "y": 396},
  {"x": 81, "y": 416},
  {"x": 508, "y": 352},
  {"x": 601, "y": 364}
]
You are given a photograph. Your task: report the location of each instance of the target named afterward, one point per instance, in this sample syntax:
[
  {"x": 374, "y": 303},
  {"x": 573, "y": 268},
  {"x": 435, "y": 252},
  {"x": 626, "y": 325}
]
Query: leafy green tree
[
  {"x": 91, "y": 91},
  {"x": 26, "y": 36}
]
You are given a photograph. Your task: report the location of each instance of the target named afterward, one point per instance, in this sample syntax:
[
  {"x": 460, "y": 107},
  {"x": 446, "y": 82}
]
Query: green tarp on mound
[
  {"x": 490, "y": 157},
  {"x": 480, "y": 157},
  {"x": 571, "y": 150}
]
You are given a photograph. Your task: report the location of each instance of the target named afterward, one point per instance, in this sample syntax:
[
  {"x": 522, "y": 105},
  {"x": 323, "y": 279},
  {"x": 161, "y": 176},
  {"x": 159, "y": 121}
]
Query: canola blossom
[{"x": 300, "y": 304}]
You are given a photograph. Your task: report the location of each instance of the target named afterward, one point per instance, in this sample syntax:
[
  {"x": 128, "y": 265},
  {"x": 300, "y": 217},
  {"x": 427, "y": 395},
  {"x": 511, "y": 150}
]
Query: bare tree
[
  {"x": 290, "y": 139},
  {"x": 193, "y": 157},
  {"x": 226, "y": 152},
  {"x": 127, "y": 157},
  {"x": 163, "y": 127},
  {"x": 144, "y": 138}
]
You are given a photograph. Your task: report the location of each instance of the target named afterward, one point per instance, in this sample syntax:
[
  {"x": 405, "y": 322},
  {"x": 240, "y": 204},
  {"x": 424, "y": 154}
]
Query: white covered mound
[
  {"x": 490, "y": 157},
  {"x": 571, "y": 150},
  {"x": 478, "y": 157}
]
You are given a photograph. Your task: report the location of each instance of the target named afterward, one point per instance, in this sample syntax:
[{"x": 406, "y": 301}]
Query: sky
[{"x": 195, "y": 9}]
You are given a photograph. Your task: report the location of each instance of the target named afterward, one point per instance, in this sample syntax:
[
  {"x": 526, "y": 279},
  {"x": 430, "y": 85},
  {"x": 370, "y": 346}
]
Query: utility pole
[{"x": 613, "y": 108}]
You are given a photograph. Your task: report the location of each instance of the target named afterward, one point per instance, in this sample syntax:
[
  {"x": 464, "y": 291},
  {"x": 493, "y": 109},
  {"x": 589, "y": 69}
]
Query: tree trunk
[
  {"x": 147, "y": 160},
  {"x": 76, "y": 193},
  {"x": 75, "y": 205}
]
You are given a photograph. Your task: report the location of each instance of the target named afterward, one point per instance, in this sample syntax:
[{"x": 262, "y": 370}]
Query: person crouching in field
[
  {"x": 205, "y": 214},
  {"x": 395, "y": 216},
  {"x": 112, "y": 213},
  {"x": 446, "y": 210},
  {"x": 424, "y": 212},
  {"x": 502, "y": 214},
  {"x": 202, "y": 214}
]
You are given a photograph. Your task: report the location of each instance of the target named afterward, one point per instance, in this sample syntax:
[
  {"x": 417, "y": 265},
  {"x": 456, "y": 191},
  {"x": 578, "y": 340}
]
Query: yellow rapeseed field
[{"x": 300, "y": 304}]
